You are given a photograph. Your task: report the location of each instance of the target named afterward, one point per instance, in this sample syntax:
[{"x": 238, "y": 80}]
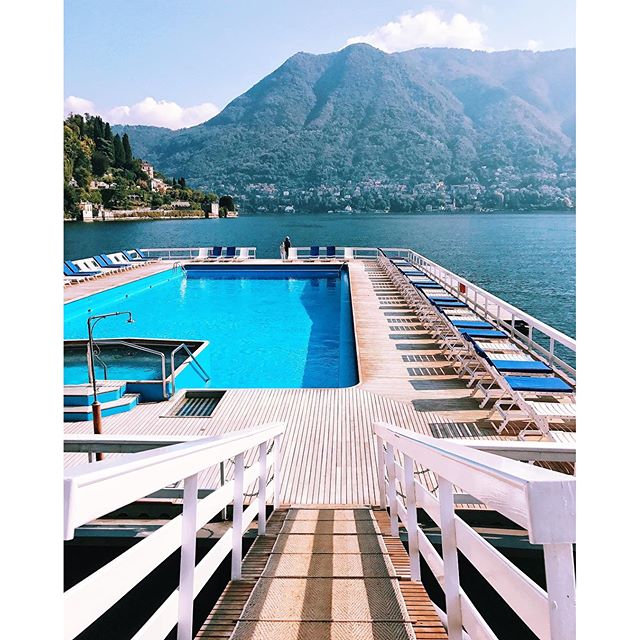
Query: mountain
[{"x": 361, "y": 115}]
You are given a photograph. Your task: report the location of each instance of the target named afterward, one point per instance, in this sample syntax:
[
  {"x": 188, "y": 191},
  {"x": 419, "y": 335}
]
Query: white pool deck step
[
  {"x": 84, "y": 412},
  {"x": 82, "y": 394}
]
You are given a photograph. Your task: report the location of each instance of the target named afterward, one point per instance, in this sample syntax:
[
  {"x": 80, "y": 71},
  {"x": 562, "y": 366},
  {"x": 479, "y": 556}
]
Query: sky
[{"x": 177, "y": 63}]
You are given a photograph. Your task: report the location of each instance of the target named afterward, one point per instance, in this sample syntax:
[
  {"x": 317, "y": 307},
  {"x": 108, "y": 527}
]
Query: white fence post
[
  {"x": 238, "y": 503},
  {"x": 561, "y": 589},
  {"x": 412, "y": 518},
  {"x": 262, "y": 490},
  {"x": 224, "y": 511},
  {"x": 276, "y": 472},
  {"x": 450, "y": 559},
  {"x": 392, "y": 499},
  {"x": 187, "y": 558},
  {"x": 381, "y": 466}
]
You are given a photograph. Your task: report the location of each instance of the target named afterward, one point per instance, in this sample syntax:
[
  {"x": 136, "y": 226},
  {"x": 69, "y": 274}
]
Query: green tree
[
  {"x": 71, "y": 200},
  {"x": 118, "y": 152},
  {"x": 99, "y": 163},
  {"x": 156, "y": 200},
  {"x": 226, "y": 202},
  {"x": 128, "y": 154}
]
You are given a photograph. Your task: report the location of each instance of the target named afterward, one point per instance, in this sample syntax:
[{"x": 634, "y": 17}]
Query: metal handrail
[
  {"x": 147, "y": 350},
  {"x": 98, "y": 359},
  {"x": 203, "y": 373}
]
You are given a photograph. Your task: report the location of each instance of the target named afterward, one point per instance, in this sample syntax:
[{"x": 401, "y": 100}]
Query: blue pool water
[
  {"x": 123, "y": 363},
  {"x": 288, "y": 328}
]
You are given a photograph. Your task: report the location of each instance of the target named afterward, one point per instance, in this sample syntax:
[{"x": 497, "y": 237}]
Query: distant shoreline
[{"x": 334, "y": 213}]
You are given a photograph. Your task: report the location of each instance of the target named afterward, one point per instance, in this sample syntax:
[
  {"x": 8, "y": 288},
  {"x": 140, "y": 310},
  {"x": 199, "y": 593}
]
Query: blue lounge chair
[
  {"x": 520, "y": 366},
  {"x": 314, "y": 252},
  {"x": 69, "y": 276},
  {"x": 425, "y": 285},
  {"x": 471, "y": 324},
  {"x": 103, "y": 261},
  {"x": 112, "y": 261},
  {"x": 538, "y": 385},
  {"x": 229, "y": 252},
  {"x": 442, "y": 299},
  {"x": 331, "y": 252},
  {"x": 483, "y": 333},
  {"x": 450, "y": 304},
  {"x": 134, "y": 255},
  {"x": 72, "y": 270},
  {"x": 215, "y": 252}
]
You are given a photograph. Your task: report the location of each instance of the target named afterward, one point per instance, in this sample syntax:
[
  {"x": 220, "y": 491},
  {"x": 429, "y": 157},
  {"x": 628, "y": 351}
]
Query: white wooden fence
[
  {"x": 541, "y": 501},
  {"x": 93, "y": 490}
]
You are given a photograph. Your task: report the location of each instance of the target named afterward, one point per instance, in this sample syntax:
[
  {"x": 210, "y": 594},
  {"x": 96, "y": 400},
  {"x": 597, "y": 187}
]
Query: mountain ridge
[{"x": 359, "y": 115}]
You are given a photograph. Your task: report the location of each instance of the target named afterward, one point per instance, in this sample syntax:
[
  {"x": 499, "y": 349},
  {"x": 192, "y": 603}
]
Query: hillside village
[{"x": 104, "y": 181}]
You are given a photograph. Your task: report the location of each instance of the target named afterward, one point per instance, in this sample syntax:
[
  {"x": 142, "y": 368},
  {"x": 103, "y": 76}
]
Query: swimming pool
[{"x": 272, "y": 326}]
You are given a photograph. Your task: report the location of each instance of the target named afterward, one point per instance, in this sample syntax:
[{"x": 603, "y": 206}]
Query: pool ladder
[{"x": 194, "y": 360}]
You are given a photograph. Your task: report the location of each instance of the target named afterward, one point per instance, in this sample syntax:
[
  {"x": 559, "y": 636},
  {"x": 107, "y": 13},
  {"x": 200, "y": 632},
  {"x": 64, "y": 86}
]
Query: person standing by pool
[
  {"x": 282, "y": 254},
  {"x": 287, "y": 246}
]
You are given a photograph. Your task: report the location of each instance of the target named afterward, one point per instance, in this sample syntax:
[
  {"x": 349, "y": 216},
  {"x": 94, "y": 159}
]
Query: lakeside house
[{"x": 147, "y": 167}]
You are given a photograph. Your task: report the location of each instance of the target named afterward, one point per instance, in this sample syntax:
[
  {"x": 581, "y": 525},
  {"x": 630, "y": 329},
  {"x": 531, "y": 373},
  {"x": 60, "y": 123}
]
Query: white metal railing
[
  {"x": 539, "y": 500},
  {"x": 93, "y": 490},
  {"x": 342, "y": 253},
  {"x": 131, "y": 345},
  {"x": 174, "y": 253},
  {"x": 501, "y": 312}
]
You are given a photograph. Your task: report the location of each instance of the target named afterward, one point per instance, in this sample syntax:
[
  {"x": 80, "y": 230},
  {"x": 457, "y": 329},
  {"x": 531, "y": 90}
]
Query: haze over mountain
[{"x": 363, "y": 115}]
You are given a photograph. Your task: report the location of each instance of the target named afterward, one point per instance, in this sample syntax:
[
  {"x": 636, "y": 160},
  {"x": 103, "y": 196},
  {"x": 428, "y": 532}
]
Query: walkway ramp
[{"x": 325, "y": 573}]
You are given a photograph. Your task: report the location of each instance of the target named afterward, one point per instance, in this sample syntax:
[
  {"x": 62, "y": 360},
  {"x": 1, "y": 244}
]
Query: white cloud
[
  {"x": 157, "y": 113},
  {"x": 161, "y": 113},
  {"x": 73, "y": 104},
  {"x": 426, "y": 29},
  {"x": 533, "y": 45}
]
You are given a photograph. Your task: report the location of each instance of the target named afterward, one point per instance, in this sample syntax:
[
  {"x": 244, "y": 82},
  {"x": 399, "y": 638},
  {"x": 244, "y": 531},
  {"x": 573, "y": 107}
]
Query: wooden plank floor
[
  {"x": 329, "y": 574},
  {"x": 329, "y": 454}
]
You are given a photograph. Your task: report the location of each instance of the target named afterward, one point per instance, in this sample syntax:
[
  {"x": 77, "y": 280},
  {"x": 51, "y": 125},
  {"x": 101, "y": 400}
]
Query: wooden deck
[
  {"x": 110, "y": 280},
  {"x": 325, "y": 574},
  {"x": 328, "y": 450}
]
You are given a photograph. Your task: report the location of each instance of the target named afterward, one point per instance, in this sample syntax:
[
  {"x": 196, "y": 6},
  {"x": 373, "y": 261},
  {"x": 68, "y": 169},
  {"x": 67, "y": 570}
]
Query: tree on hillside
[
  {"x": 128, "y": 154},
  {"x": 182, "y": 182},
  {"x": 99, "y": 163},
  {"x": 118, "y": 152},
  {"x": 226, "y": 202}
]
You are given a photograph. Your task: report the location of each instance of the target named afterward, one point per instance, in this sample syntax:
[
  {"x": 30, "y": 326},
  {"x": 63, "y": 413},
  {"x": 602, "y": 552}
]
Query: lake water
[{"x": 528, "y": 259}]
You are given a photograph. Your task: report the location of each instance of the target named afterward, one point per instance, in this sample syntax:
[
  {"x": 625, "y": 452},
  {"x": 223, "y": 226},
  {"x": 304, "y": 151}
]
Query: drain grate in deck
[
  {"x": 197, "y": 406},
  {"x": 456, "y": 430}
]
